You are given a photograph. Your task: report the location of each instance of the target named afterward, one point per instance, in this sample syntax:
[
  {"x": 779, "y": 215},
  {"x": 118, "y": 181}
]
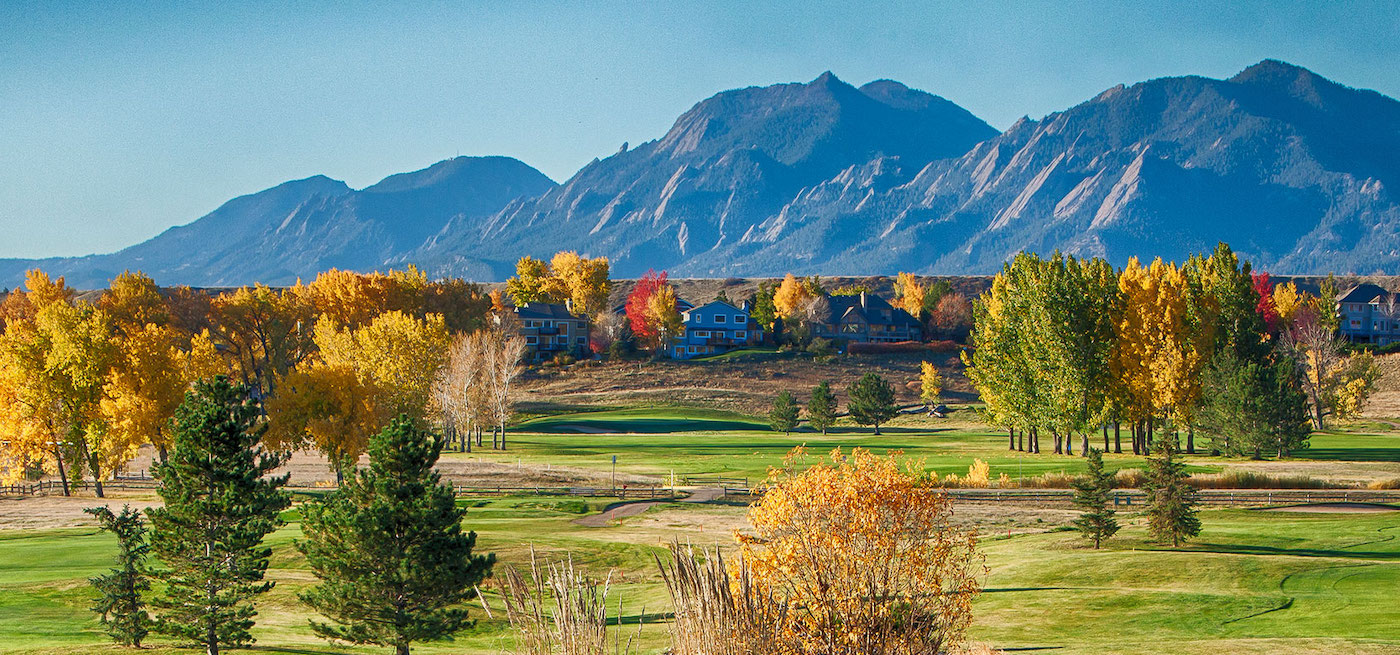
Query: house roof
[
  {"x": 545, "y": 310},
  {"x": 717, "y": 304},
  {"x": 1364, "y": 293},
  {"x": 681, "y": 306},
  {"x": 868, "y": 308}
]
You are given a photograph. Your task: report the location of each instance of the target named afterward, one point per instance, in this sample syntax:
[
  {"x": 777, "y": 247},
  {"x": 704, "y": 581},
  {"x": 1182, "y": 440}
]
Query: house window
[
  {"x": 694, "y": 349},
  {"x": 531, "y": 341},
  {"x": 697, "y": 317},
  {"x": 562, "y": 339},
  {"x": 740, "y": 319},
  {"x": 720, "y": 318},
  {"x": 704, "y": 334},
  {"x": 740, "y": 334},
  {"x": 582, "y": 341}
]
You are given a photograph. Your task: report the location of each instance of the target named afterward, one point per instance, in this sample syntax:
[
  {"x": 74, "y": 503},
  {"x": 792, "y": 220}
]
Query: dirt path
[
  {"x": 1335, "y": 508},
  {"x": 623, "y": 510}
]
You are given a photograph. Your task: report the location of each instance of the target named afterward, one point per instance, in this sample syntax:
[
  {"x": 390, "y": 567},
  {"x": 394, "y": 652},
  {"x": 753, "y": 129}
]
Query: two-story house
[
  {"x": 1369, "y": 314},
  {"x": 867, "y": 318},
  {"x": 714, "y": 328},
  {"x": 551, "y": 329}
]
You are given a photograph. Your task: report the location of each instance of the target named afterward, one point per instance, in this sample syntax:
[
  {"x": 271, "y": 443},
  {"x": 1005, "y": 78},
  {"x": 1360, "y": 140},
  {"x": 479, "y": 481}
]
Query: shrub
[
  {"x": 1393, "y": 483},
  {"x": 869, "y": 553}
]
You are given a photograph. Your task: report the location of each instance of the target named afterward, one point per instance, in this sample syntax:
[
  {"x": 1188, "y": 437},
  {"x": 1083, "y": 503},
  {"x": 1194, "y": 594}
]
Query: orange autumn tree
[{"x": 864, "y": 552}]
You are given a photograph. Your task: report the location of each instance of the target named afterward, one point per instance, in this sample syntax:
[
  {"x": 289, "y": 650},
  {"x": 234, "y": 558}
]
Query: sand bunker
[{"x": 1335, "y": 508}]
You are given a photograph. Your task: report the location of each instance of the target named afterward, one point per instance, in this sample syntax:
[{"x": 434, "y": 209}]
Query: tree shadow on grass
[
  {"x": 1240, "y": 549},
  {"x": 1352, "y": 454}
]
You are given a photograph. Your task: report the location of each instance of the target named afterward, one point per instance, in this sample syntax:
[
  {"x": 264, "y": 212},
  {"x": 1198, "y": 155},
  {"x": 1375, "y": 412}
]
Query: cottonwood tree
[
  {"x": 1091, "y": 496},
  {"x": 1171, "y": 501},
  {"x": 356, "y": 380},
  {"x": 930, "y": 383},
  {"x": 458, "y": 390},
  {"x": 220, "y": 502},
  {"x": 582, "y": 282},
  {"x": 870, "y": 401},
  {"x": 821, "y": 409},
  {"x": 502, "y": 366},
  {"x": 121, "y": 604},
  {"x": 265, "y": 331},
  {"x": 783, "y": 416},
  {"x": 388, "y": 548}
]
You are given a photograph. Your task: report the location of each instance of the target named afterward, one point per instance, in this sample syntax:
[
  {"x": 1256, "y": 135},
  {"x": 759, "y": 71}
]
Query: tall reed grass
[{"x": 558, "y": 610}]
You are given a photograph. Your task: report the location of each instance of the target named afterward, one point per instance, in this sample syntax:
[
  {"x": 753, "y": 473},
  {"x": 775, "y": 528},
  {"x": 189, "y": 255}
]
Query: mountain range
[{"x": 1293, "y": 170}]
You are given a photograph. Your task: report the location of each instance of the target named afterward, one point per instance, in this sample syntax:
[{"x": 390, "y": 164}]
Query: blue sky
[{"x": 118, "y": 120}]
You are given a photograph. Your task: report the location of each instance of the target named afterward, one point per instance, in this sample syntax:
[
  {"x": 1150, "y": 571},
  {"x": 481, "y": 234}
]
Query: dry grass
[
  {"x": 719, "y": 612},
  {"x": 742, "y": 386},
  {"x": 558, "y": 610}
]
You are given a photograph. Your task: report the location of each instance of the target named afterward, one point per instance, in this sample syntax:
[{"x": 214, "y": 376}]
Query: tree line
[
  {"x": 1070, "y": 347},
  {"x": 85, "y": 383}
]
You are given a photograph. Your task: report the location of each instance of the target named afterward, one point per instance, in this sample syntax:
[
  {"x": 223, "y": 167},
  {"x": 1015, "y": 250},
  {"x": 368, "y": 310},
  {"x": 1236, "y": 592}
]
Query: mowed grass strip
[{"x": 1263, "y": 582}]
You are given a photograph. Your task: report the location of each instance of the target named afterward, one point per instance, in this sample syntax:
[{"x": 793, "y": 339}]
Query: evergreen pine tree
[
  {"x": 389, "y": 550},
  {"x": 821, "y": 411},
  {"x": 871, "y": 401},
  {"x": 1171, "y": 502},
  {"x": 219, "y": 504},
  {"x": 1091, "y": 495},
  {"x": 121, "y": 606},
  {"x": 783, "y": 416}
]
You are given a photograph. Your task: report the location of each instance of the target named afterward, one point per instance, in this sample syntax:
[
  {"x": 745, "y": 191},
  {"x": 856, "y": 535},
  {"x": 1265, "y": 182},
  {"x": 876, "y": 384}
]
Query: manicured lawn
[
  {"x": 1254, "y": 583},
  {"x": 687, "y": 441}
]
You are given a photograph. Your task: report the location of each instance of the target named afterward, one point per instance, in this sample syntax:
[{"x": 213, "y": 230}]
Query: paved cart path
[{"x": 623, "y": 510}]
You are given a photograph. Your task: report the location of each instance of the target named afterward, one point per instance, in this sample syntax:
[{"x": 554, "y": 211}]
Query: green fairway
[
  {"x": 1262, "y": 582},
  {"x": 687, "y": 441}
]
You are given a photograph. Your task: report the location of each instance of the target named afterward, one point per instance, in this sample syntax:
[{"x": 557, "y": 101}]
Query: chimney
[{"x": 862, "y": 300}]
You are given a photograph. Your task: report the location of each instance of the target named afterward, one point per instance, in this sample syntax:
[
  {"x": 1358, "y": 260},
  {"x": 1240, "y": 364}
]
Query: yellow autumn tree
[
  {"x": 1159, "y": 356},
  {"x": 866, "y": 547},
  {"x": 584, "y": 281},
  {"x": 327, "y": 407},
  {"x": 264, "y": 331},
  {"x": 345, "y": 297},
  {"x": 909, "y": 294},
  {"x": 791, "y": 296},
  {"x": 533, "y": 282},
  {"x": 395, "y": 354},
  {"x": 930, "y": 383},
  {"x": 1288, "y": 300},
  {"x": 662, "y": 315},
  {"x": 133, "y": 301}
]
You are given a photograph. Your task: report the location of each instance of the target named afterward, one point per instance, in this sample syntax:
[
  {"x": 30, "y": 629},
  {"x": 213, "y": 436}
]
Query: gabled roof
[
  {"x": 1364, "y": 293},
  {"x": 546, "y": 310},
  {"x": 868, "y": 308},
  {"x": 714, "y": 303},
  {"x": 681, "y": 306}
]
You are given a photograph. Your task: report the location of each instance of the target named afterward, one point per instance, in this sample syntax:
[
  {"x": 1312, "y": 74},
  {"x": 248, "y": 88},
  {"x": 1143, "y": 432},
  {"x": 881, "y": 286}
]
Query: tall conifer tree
[
  {"x": 219, "y": 504},
  {"x": 388, "y": 547},
  {"x": 1171, "y": 502},
  {"x": 1091, "y": 495},
  {"x": 821, "y": 411},
  {"x": 871, "y": 401},
  {"x": 783, "y": 416},
  {"x": 121, "y": 606}
]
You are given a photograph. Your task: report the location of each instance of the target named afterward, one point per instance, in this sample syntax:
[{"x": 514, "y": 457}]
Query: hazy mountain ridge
[{"x": 1292, "y": 169}]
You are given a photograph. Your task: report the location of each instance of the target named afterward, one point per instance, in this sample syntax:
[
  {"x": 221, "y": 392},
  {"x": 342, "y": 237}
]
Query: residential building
[
  {"x": 1369, "y": 314},
  {"x": 713, "y": 328},
  {"x": 867, "y": 318},
  {"x": 551, "y": 329}
]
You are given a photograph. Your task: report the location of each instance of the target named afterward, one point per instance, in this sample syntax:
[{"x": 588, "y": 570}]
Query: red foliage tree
[
  {"x": 1265, "y": 290},
  {"x": 642, "y": 327}
]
